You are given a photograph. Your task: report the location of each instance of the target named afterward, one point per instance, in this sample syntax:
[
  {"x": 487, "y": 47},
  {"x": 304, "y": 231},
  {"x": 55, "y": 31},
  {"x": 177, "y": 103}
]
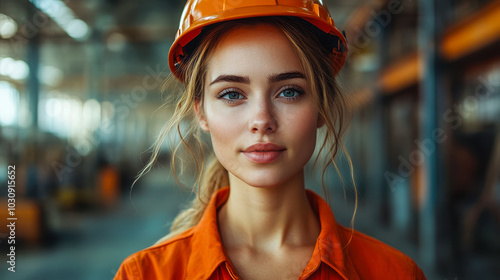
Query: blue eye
[
  {"x": 291, "y": 93},
  {"x": 230, "y": 95}
]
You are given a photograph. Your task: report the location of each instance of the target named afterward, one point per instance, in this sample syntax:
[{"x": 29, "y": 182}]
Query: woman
[{"x": 259, "y": 79}]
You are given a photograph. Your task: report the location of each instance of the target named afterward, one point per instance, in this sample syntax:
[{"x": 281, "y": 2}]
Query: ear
[{"x": 200, "y": 115}]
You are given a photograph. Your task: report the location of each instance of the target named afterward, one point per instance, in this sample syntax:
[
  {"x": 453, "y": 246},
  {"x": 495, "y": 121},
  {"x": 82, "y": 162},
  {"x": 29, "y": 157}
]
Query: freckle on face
[{"x": 258, "y": 52}]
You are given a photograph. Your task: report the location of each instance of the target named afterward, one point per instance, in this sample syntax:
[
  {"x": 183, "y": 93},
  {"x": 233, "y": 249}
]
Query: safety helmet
[{"x": 198, "y": 14}]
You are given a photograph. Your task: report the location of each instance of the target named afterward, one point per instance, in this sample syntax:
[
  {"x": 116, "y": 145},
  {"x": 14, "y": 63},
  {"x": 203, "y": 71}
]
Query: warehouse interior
[{"x": 81, "y": 95}]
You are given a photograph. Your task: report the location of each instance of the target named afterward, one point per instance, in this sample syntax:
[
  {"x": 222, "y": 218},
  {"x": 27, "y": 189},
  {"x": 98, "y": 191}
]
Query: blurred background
[{"x": 80, "y": 97}]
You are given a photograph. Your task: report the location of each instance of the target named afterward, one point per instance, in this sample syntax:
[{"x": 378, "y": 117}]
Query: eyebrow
[
  {"x": 271, "y": 79},
  {"x": 231, "y": 78},
  {"x": 285, "y": 76}
]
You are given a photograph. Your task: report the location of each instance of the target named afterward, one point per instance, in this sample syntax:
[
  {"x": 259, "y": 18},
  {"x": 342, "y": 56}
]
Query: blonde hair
[{"x": 320, "y": 66}]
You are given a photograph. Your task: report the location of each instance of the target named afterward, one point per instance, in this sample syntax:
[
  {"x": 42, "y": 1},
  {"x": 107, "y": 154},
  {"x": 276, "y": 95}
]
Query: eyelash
[{"x": 225, "y": 92}]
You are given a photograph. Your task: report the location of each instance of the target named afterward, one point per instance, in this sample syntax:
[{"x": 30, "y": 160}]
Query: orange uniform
[{"x": 198, "y": 253}]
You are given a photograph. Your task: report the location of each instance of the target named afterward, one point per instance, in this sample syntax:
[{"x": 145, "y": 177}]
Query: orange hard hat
[{"x": 202, "y": 13}]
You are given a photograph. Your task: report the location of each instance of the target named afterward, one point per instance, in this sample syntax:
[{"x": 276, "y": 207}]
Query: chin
[
  {"x": 265, "y": 180},
  {"x": 264, "y": 185}
]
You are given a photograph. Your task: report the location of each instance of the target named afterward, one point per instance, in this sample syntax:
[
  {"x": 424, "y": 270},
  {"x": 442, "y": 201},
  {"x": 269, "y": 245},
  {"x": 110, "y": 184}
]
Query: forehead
[{"x": 253, "y": 51}]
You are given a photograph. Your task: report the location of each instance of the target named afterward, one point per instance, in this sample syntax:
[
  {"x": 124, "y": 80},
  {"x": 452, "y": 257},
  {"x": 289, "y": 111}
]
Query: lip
[{"x": 263, "y": 152}]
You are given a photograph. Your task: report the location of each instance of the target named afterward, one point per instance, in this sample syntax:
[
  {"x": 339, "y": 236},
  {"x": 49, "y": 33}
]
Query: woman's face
[{"x": 257, "y": 107}]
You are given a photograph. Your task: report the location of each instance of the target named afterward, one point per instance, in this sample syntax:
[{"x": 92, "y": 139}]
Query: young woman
[{"x": 259, "y": 79}]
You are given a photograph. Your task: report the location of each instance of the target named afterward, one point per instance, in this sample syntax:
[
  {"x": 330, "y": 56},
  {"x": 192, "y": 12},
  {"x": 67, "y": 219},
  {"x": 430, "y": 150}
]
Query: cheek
[
  {"x": 224, "y": 129},
  {"x": 302, "y": 129}
]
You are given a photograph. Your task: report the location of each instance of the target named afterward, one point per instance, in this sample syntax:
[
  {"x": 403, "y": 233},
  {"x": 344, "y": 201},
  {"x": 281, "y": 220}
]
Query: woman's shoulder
[
  {"x": 167, "y": 257},
  {"x": 374, "y": 259},
  {"x": 362, "y": 243}
]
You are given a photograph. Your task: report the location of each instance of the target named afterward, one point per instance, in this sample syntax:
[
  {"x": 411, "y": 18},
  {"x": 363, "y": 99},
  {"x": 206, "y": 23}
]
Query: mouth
[{"x": 263, "y": 152}]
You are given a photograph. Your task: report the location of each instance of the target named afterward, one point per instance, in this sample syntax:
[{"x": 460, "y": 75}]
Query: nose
[{"x": 263, "y": 118}]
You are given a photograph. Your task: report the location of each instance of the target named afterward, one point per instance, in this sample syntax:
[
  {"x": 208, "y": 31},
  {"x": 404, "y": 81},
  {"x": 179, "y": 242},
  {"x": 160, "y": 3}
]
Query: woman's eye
[
  {"x": 232, "y": 95},
  {"x": 291, "y": 93}
]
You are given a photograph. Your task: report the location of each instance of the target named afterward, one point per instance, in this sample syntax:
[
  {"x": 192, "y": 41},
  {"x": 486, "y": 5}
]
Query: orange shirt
[{"x": 198, "y": 253}]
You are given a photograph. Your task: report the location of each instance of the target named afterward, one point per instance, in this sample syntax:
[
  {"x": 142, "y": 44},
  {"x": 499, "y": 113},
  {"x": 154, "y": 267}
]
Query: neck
[{"x": 268, "y": 218}]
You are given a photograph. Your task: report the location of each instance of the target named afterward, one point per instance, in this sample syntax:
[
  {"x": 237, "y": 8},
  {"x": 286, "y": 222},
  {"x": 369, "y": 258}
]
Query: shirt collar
[
  {"x": 330, "y": 245},
  {"x": 208, "y": 252}
]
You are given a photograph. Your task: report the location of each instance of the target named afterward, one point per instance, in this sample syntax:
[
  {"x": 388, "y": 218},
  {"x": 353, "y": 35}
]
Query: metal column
[{"x": 428, "y": 124}]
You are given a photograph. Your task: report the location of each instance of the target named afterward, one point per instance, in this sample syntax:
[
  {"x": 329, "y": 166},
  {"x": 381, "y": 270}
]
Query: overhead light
[
  {"x": 9, "y": 99},
  {"x": 64, "y": 17},
  {"x": 8, "y": 27},
  {"x": 16, "y": 69},
  {"x": 77, "y": 28}
]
